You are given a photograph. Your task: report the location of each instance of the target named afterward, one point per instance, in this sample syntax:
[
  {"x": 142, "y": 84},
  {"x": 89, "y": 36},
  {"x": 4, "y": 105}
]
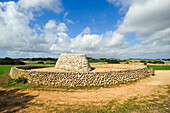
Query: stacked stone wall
[
  {"x": 75, "y": 62},
  {"x": 77, "y": 78}
]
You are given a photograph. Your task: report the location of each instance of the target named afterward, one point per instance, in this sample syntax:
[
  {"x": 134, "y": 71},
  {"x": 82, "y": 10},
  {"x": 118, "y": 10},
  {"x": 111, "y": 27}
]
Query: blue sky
[
  {"x": 97, "y": 28},
  {"x": 100, "y": 17}
]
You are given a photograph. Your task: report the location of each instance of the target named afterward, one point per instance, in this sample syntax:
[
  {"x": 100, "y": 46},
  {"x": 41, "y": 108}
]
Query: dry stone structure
[
  {"x": 74, "y": 62},
  {"x": 71, "y": 78},
  {"x": 79, "y": 73}
]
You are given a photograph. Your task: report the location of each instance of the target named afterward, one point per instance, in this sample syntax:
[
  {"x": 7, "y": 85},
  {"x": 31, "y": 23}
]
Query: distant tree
[{"x": 10, "y": 61}]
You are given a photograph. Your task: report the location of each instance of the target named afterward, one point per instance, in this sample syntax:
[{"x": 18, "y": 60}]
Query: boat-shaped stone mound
[{"x": 73, "y": 62}]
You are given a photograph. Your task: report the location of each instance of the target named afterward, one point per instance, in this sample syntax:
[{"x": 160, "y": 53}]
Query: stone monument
[{"x": 75, "y": 62}]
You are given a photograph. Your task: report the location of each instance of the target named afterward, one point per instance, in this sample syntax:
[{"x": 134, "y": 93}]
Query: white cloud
[
  {"x": 53, "y": 37},
  {"x": 13, "y": 25},
  {"x": 124, "y": 4},
  {"x": 162, "y": 36},
  {"x": 51, "y": 26},
  {"x": 67, "y": 20},
  {"x": 54, "y": 5},
  {"x": 149, "y": 19},
  {"x": 17, "y": 36},
  {"x": 115, "y": 40},
  {"x": 65, "y": 15},
  {"x": 61, "y": 27},
  {"x": 86, "y": 31},
  {"x": 146, "y": 18},
  {"x": 86, "y": 42},
  {"x": 91, "y": 44}
]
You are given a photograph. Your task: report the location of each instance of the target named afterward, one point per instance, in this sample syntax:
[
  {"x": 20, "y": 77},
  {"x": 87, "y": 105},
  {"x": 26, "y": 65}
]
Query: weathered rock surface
[
  {"x": 71, "y": 79},
  {"x": 75, "y": 62}
]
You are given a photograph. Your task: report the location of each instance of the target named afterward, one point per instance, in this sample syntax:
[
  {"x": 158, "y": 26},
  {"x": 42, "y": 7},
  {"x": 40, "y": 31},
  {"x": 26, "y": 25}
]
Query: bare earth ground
[
  {"x": 43, "y": 101},
  {"x": 53, "y": 69},
  {"x": 97, "y": 68}
]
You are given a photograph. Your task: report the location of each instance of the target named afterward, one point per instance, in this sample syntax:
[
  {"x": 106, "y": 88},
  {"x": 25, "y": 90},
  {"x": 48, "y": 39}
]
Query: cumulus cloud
[
  {"x": 162, "y": 36},
  {"x": 54, "y": 5},
  {"x": 51, "y": 26},
  {"x": 148, "y": 19},
  {"x": 13, "y": 25},
  {"x": 124, "y": 4},
  {"x": 86, "y": 31},
  {"x": 16, "y": 35},
  {"x": 91, "y": 44}
]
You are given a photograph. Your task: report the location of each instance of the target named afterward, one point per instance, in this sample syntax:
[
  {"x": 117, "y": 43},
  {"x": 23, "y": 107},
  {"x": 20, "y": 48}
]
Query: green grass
[
  {"x": 40, "y": 64},
  {"x": 5, "y": 68},
  {"x": 160, "y": 67}
]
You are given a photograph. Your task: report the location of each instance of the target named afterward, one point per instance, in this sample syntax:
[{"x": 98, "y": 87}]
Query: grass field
[
  {"x": 160, "y": 67},
  {"x": 5, "y": 68}
]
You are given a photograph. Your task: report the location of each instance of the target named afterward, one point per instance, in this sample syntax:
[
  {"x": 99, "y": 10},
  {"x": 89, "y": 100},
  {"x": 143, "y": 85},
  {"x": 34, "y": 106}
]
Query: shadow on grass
[{"x": 13, "y": 100}]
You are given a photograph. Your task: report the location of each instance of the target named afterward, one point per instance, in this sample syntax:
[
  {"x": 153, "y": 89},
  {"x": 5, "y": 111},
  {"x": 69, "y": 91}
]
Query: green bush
[
  {"x": 150, "y": 61},
  {"x": 158, "y": 62},
  {"x": 10, "y": 61},
  {"x": 142, "y": 61},
  {"x": 145, "y": 63},
  {"x": 127, "y": 62},
  {"x": 40, "y": 62},
  {"x": 112, "y": 61},
  {"x": 21, "y": 80}
]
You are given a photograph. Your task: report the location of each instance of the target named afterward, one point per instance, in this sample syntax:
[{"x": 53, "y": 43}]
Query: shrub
[
  {"x": 145, "y": 63},
  {"x": 142, "y": 61},
  {"x": 21, "y": 80},
  {"x": 158, "y": 62},
  {"x": 18, "y": 62},
  {"x": 150, "y": 61},
  {"x": 9, "y": 61},
  {"x": 113, "y": 61},
  {"x": 40, "y": 62}
]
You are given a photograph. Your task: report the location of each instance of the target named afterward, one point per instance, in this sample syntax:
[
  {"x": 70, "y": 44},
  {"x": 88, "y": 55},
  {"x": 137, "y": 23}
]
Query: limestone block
[{"x": 75, "y": 62}]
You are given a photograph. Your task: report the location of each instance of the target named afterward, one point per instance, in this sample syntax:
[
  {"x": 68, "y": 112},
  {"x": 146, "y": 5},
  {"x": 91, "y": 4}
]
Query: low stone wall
[{"x": 77, "y": 78}]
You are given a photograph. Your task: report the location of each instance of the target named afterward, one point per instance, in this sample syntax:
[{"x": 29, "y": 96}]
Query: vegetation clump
[
  {"x": 108, "y": 60},
  {"x": 40, "y": 62},
  {"x": 10, "y": 61},
  {"x": 21, "y": 80}
]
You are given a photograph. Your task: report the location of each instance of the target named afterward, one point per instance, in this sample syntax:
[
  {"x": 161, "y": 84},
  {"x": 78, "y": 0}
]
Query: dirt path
[
  {"x": 141, "y": 87},
  {"x": 98, "y": 96}
]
